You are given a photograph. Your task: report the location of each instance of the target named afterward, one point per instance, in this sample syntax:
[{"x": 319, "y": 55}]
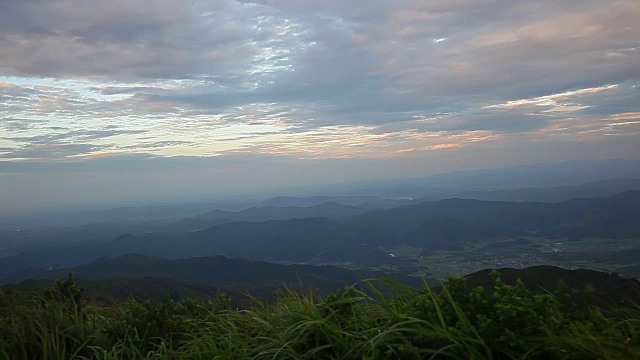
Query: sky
[{"x": 131, "y": 101}]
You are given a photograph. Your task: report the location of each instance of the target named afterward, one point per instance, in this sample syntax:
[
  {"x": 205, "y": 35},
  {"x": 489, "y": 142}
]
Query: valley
[
  {"x": 319, "y": 180},
  {"x": 346, "y": 269},
  {"x": 609, "y": 255},
  {"x": 431, "y": 239}
]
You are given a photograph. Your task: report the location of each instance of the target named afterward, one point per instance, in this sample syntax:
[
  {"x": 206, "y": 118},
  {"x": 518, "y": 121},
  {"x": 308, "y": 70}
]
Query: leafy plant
[{"x": 365, "y": 321}]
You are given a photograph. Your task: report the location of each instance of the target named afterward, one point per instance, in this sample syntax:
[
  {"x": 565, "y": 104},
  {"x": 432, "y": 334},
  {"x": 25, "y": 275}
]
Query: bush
[{"x": 359, "y": 322}]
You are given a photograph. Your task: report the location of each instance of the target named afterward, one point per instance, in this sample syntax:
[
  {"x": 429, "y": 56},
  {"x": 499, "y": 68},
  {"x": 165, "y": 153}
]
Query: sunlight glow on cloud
[
  {"x": 552, "y": 100},
  {"x": 323, "y": 80}
]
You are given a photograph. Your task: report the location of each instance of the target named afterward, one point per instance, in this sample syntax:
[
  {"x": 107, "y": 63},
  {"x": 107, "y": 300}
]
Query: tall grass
[{"x": 372, "y": 320}]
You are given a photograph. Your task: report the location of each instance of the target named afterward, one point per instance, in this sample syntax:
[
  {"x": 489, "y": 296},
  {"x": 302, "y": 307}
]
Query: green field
[{"x": 609, "y": 255}]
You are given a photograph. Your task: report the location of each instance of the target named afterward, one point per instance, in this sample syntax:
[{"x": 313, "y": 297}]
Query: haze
[{"x": 109, "y": 103}]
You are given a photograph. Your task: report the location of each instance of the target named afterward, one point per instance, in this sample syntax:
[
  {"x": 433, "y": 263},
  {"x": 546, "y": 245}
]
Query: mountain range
[
  {"x": 110, "y": 281},
  {"x": 258, "y": 278},
  {"x": 431, "y": 225}
]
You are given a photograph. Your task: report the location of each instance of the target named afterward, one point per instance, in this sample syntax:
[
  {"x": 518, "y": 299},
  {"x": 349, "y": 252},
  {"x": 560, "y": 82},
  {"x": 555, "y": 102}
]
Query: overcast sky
[{"x": 128, "y": 101}]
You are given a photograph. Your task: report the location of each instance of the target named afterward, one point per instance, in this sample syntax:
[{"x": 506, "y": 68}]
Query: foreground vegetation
[{"x": 367, "y": 321}]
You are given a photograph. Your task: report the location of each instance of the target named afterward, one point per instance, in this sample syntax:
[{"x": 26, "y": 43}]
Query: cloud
[
  {"x": 48, "y": 151},
  {"x": 87, "y": 80},
  {"x": 73, "y": 136}
]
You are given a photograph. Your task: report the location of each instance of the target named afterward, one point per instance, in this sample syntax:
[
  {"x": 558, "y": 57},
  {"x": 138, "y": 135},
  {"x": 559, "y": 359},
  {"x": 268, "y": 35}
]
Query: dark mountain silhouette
[
  {"x": 240, "y": 275},
  {"x": 202, "y": 278},
  {"x": 608, "y": 288}
]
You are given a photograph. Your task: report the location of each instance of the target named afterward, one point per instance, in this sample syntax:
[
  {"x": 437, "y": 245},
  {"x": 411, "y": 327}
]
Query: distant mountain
[
  {"x": 331, "y": 210},
  {"x": 361, "y": 192},
  {"x": 286, "y": 201},
  {"x": 615, "y": 216},
  {"x": 514, "y": 177},
  {"x": 274, "y": 240},
  {"x": 123, "y": 215},
  {"x": 13, "y": 242},
  {"x": 447, "y": 233},
  {"x": 556, "y": 194},
  {"x": 17, "y": 242},
  {"x": 239, "y": 275},
  {"x": 547, "y": 174},
  {"x": 609, "y": 288},
  {"x": 434, "y": 225},
  {"x": 520, "y": 194},
  {"x": 503, "y": 215},
  {"x": 393, "y": 203}
]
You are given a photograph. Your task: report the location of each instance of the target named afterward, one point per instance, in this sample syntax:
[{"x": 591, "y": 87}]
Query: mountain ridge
[
  {"x": 210, "y": 270},
  {"x": 428, "y": 225}
]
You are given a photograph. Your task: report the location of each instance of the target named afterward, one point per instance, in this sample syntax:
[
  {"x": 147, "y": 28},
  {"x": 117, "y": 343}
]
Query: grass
[{"x": 371, "y": 320}]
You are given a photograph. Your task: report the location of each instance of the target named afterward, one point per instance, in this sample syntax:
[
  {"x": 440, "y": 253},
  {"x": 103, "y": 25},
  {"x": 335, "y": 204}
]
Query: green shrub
[{"x": 359, "y": 322}]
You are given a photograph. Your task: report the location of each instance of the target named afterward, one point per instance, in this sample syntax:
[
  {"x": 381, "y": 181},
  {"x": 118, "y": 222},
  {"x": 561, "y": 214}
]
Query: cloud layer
[{"x": 82, "y": 80}]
